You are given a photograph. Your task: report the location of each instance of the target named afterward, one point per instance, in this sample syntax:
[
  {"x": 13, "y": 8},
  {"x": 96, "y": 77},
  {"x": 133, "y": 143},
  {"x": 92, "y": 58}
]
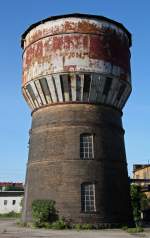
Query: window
[
  {"x": 30, "y": 91},
  {"x": 86, "y": 146},
  {"x": 86, "y": 89},
  {"x": 5, "y": 202},
  {"x": 66, "y": 86},
  {"x": 88, "y": 197},
  {"x": 13, "y": 202},
  {"x": 45, "y": 89},
  {"x": 121, "y": 91},
  {"x": 107, "y": 86},
  {"x": 78, "y": 87}
]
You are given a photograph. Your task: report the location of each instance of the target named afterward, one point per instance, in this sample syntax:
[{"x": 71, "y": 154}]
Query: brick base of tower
[{"x": 55, "y": 170}]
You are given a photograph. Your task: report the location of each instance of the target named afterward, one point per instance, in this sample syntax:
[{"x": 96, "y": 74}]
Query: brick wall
[{"x": 55, "y": 170}]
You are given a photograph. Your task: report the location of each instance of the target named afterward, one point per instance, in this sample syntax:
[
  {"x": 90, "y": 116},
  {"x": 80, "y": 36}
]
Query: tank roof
[{"x": 80, "y": 15}]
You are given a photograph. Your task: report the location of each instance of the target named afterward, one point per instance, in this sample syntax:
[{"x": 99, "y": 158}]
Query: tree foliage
[{"x": 139, "y": 201}]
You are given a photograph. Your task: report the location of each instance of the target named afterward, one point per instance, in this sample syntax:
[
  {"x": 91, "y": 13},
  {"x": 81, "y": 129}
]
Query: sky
[{"x": 15, "y": 116}]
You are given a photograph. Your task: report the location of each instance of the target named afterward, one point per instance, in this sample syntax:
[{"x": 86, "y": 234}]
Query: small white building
[{"x": 10, "y": 201}]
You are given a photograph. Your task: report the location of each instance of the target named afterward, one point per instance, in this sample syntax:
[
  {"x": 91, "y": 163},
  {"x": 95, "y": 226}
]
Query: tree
[{"x": 139, "y": 202}]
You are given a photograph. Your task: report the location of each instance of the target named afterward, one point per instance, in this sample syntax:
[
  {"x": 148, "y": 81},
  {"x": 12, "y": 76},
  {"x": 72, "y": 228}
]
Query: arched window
[
  {"x": 88, "y": 197},
  {"x": 86, "y": 146}
]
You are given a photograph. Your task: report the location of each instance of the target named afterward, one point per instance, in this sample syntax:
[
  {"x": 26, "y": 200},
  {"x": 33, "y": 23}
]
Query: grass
[
  {"x": 10, "y": 215},
  {"x": 133, "y": 230}
]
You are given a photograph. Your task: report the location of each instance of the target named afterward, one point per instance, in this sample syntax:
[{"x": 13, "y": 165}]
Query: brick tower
[{"x": 76, "y": 80}]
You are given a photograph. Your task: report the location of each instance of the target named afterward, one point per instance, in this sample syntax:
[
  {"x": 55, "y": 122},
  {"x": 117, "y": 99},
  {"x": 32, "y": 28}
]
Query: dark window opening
[
  {"x": 86, "y": 88},
  {"x": 30, "y": 91},
  {"x": 69, "y": 86},
  {"x": 66, "y": 86},
  {"x": 78, "y": 87},
  {"x": 45, "y": 88},
  {"x": 121, "y": 91},
  {"x": 38, "y": 93},
  {"x": 62, "y": 87},
  {"x": 13, "y": 202},
  {"x": 107, "y": 86},
  {"x": 53, "y": 80}
]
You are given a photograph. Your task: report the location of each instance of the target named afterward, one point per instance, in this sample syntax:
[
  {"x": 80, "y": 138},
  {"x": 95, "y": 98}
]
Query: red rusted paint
[
  {"x": 34, "y": 53},
  {"x": 111, "y": 49},
  {"x": 83, "y": 26},
  {"x": 63, "y": 44},
  {"x": 57, "y": 43},
  {"x": 29, "y": 55},
  {"x": 37, "y": 35},
  {"x": 38, "y": 52},
  {"x": 69, "y": 26},
  {"x": 70, "y": 68}
]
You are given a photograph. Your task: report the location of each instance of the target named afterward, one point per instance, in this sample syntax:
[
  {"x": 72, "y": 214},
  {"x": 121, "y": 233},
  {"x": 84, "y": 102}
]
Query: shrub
[
  {"x": 78, "y": 227},
  {"x": 83, "y": 226},
  {"x": 43, "y": 211},
  {"x": 47, "y": 225},
  {"x": 87, "y": 226},
  {"x": 60, "y": 225}
]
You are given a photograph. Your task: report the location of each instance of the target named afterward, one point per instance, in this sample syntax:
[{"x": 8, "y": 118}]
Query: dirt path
[{"x": 9, "y": 229}]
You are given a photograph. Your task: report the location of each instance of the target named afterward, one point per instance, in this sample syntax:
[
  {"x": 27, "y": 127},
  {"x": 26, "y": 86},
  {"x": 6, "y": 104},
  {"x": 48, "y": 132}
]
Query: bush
[
  {"x": 87, "y": 226},
  {"x": 60, "y": 225},
  {"x": 83, "y": 226},
  {"x": 43, "y": 211},
  {"x": 78, "y": 227}
]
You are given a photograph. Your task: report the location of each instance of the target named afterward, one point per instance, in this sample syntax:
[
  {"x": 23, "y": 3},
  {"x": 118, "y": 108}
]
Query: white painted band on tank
[{"x": 97, "y": 66}]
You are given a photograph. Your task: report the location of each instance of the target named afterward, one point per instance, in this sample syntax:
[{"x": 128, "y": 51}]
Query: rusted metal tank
[
  {"x": 76, "y": 79},
  {"x": 71, "y": 58}
]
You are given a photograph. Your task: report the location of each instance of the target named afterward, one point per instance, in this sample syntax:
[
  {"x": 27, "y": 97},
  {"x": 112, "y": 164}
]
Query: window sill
[{"x": 89, "y": 213}]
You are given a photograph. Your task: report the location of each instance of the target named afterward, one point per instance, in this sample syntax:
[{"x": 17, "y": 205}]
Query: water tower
[{"x": 76, "y": 80}]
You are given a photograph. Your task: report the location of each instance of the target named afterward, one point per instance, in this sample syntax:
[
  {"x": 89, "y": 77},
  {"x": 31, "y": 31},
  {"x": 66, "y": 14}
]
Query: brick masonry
[{"x": 55, "y": 170}]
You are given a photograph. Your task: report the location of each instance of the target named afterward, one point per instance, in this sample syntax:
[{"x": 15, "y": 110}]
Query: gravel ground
[{"x": 9, "y": 229}]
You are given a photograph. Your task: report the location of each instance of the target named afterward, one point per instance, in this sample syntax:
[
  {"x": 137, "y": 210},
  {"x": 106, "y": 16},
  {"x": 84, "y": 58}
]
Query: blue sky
[{"x": 15, "y": 118}]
